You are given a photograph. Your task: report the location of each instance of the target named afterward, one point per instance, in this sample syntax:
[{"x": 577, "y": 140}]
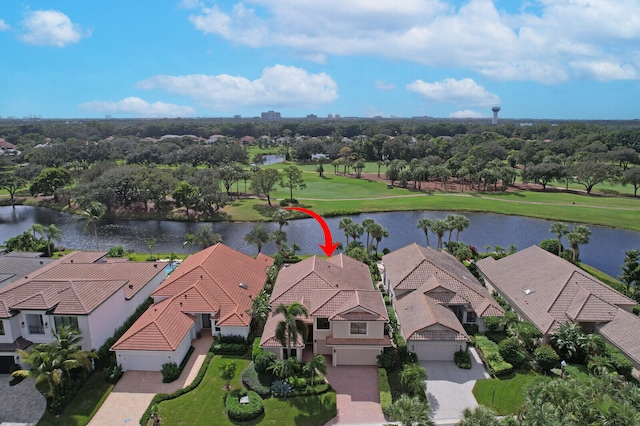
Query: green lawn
[
  {"x": 509, "y": 391},
  {"x": 205, "y": 404},
  {"x": 83, "y": 406}
]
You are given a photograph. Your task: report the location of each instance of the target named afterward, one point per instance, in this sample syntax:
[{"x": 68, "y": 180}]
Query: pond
[{"x": 605, "y": 250}]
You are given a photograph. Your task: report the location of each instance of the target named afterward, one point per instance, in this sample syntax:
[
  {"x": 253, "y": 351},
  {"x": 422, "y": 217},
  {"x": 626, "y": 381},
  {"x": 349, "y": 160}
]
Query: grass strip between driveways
[
  {"x": 83, "y": 406},
  {"x": 509, "y": 391},
  {"x": 204, "y": 405}
]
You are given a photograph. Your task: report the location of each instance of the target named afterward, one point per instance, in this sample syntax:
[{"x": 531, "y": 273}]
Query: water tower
[{"x": 495, "y": 110}]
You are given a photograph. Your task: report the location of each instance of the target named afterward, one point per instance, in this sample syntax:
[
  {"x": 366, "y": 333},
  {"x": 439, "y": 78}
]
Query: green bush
[
  {"x": 491, "y": 354},
  {"x": 297, "y": 382},
  {"x": 256, "y": 349},
  {"x": 243, "y": 412},
  {"x": 389, "y": 359},
  {"x": 471, "y": 329},
  {"x": 113, "y": 373},
  {"x": 462, "y": 359},
  {"x": 231, "y": 338},
  {"x": 619, "y": 361},
  {"x": 550, "y": 245},
  {"x": 340, "y": 212},
  {"x": 116, "y": 251},
  {"x": 385, "y": 390},
  {"x": 170, "y": 372},
  {"x": 264, "y": 361},
  {"x": 493, "y": 323},
  {"x": 546, "y": 358},
  {"x": 64, "y": 392},
  {"x": 229, "y": 348},
  {"x": 512, "y": 352},
  {"x": 257, "y": 382}
]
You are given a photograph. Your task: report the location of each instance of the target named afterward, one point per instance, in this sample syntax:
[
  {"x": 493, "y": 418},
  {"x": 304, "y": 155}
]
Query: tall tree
[
  {"x": 185, "y": 195},
  {"x": 560, "y": 229},
  {"x": 344, "y": 225},
  {"x": 227, "y": 372},
  {"x": 632, "y": 177},
  {"x": 12, "y": 184},
  {"x": 631, "y": 270},
  {"x": 52, "y": 233},
  {"x": 278, "y": 236},
  {"x": 280, "y": 216},
  {"x": 292, "y": 179},
  {"x": 291, "y": 327},
  {"x": 378, "y": 232},
  {"x": 578, "y": 236},
  {"x": 257, "y": 236},
  {"x": 425, "y": 225},
  {"x": 317, "y": 363},
  {"x": 460, "y": 222},
  {"x": 91, "y": 216},
  {"x": 259, "y": 311},
  {"x": 263, "y": 182},
  {"x": 439, "y": 227},
  {"x": 591, "y": 173}
]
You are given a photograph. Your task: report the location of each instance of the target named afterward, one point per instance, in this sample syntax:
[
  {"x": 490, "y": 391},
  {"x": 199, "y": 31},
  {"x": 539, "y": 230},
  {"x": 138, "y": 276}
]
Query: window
[
  {"x": 358, "y": 328},
  {"x": 71, "y": 322},
  {"x": 471, "y": 316},
  {"x": 1, "y": 328},
  {"x": 322, "y": 324},
  {"x": 35, "y": 324}
]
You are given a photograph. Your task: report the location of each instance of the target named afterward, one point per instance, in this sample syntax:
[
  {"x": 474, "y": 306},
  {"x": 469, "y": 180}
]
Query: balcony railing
[{"x": 36, "y": 329}]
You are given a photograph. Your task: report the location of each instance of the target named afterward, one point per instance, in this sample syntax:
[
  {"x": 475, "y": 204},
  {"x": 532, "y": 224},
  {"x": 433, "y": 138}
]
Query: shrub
[
  {"x": 489, "y": 349},
  {"x": 340, "y": 212},
  {"x": 228, "y": 348},
  {"x": 636, "y": 309},
  {"x": 618, "y": 361},
  {"x": 256, "y": 349},
  {"x": 232, "y": 338},
  {"x": 64, "y": 392},
  {"x": 385, "y": 390},
  {"x": 512, "y": 352},
  {"x": 170, "y": 372},
  {"x": 546, "y": 358},
  {"x": 297, "y": 382},
  {"x": 257, "y": 382},
  {"x": 116, "y": 251},
  {"x": 113, "y": 373},
  {"x": 493, "y": 323},
  {"x": 462, "y": 359},
  {"x": 389, "y": 359},
  {"x": 264, "y": 361},
  {"x": 550, "y": 245},
  {"x": 244, "y": 412},
  {"x": 281, "y": 388},
  {"x": 471, "y": 329},
  {"x": 387, "y": 301}
]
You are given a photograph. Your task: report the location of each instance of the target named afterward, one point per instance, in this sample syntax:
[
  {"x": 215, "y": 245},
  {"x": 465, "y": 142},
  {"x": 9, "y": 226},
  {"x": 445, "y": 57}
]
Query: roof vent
[
  {"x": 528, "y": 291},
  {"x": 71, "y": 260},
  {"x": 244, "y": 286},
  {"x": 155, "y": 265},
  {"x": 131, "y": 286}
]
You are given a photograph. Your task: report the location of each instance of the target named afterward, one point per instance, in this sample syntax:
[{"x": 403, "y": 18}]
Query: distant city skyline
[{"x": 536, "y": 59}]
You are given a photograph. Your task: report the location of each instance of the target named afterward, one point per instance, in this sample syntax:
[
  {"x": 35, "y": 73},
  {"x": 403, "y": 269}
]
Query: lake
[{"x": 605, "y": 250}]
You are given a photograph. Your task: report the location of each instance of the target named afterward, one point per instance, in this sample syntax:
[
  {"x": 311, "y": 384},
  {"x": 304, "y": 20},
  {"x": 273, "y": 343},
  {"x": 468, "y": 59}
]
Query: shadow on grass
[{"x": 266, "y": 210}]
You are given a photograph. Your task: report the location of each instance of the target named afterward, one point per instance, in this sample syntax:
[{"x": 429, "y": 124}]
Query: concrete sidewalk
[
  {"x": 134, "y": 391},
  {"x": 20, "y": 404}
]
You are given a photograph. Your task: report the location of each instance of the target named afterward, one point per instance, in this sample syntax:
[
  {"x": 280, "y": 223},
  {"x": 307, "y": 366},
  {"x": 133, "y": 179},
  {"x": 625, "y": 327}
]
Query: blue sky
[{"x": 556, "y": 59}]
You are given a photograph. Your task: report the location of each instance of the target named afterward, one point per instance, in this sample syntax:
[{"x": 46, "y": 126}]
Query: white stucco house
[
  {"x": 86, "y": 290},
  {"x": 211, "y": 290}
]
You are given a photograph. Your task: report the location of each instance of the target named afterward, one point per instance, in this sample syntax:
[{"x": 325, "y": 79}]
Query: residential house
[
  {"x": 17, "y": 264},
  {"x": 548, "y": 291},
  {"x": 211, "y": 290},
  {"x": 347, "y": 316},
  {"x": 86, "y": 290},
  {"x": 434, "y": 295}
]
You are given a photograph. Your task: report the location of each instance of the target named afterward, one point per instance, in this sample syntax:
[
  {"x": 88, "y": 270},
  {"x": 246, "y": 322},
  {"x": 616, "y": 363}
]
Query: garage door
[
  {"x": 5, "y": 363},
  {"x": 357, "y": 356},
  {"x": 435, "y": 351}
]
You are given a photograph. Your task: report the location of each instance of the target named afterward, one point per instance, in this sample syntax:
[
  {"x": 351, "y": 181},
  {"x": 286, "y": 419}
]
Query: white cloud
[
  {"x": 536, "y": 43},
  {"x": 280, "y": 85},
  {"x": 605, "y": 71},
  {"x": 50, "y": 28},
  {"x": 383, "y": 85},
  {"x": 4, "y": 26},
  {"x": 467, "y": 113},
  {"x": 136, "y": 107},
  {"x": 450, "y": 90}
]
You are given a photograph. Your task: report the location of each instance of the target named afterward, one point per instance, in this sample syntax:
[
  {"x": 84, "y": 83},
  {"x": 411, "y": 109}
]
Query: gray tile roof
[
  {"x": 623, "y": 331},
  {"x": 16, "y": 265}
]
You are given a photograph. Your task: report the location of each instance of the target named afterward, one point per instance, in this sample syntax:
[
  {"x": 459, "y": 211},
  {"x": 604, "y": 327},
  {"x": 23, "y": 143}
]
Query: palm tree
[
  {"x": 412, "y": 379},
  {"x": 479, "y": 416},
  {"x": 260, "y": 310},
  {"x": 439, "y": 227},
  {"x": 291, "y": 327},
  {"x": 67, "y": 346},
  {"x": 425, "y": 224},
  {"x": 281, "y": 217},
  {"x": 278, "y": 236},
  {"x": 52, "y": 233},
  {"x": 283, "y": 368},
  {"x": 344, "y": 224},
  {"x": 257, "y": 236},
  {"x": 294, "y": 248},
  {"x": 91, "y": 216},
  {"x": 410, "y": 411},
  {"x": 559, "y": 229},
  {"x": 45, "y": 366},
  {"x": 578, "y": 235},
  {"x": 461, "y": 222},
  {"x": 37, "y": 228},
  {"x": 317, "y": 363},
  {"x": 354, "y": 230},
  {"x": 366, "y": 225},
  {"x": 204, "y": 237},
  {"x": 378, "y": 232},
  {"x": 451, "y": 224}
]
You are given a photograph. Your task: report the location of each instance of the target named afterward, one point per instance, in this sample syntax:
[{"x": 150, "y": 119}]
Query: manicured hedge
[
  {"x": 244, "y": 412},
  {"x": 619, "y": 361},
  {"x": 258, "y": 382},
  {"x": 512, "y": 352},
  {"x": 462, "y": 359},
  {"x": 546, "y": 358},
  {"x": 491, "y": 355},
  {"x": 385, "y": 390},
  {"x": 256, "y": 349}
]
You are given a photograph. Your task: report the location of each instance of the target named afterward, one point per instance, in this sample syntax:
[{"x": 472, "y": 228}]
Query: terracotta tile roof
[
  {"x": 343, "y": 341},
  {"x": 361, "y": 305},
  {"x": 76, "y": 288},
  {"x": 268, "y": 339},
  {"x": 161, "y": 328},
  {"x": 420, "y": 316},
  {"x": 415, "y": 266},
  {"x": 623, "y": 331},
  {"x": 217, "y": 272},
  {"x": 549, "y": 291}
]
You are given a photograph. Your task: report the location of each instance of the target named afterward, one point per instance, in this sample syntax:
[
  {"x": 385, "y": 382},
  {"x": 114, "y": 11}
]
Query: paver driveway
[
  {"x": 21, "y": 403},
  {"x": 449, "y": 388},
  {"x": 357, "y": 394}
]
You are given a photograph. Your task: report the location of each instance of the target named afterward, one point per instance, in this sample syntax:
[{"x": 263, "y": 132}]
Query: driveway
[
  {"x": 133, "y": 393},
  {"x": 357, "y": 394},
  {"x": 449, "y": 388},
  {"x": 21, "y": 403}
]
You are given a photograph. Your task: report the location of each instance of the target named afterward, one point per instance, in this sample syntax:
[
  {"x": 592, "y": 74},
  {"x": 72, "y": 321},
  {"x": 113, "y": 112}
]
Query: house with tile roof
[
  {"x": 347, "y": 316},
  {"x": 17, "y": 264},
  {"x": 548, "y": 291},
  {"x": 86, "y": 290},
  {"x": 434, "y": 295},
  {"x": 211, "y": 290}
]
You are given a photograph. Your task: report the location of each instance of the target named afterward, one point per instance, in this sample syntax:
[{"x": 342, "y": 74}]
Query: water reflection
[{"x": 605, "y": 250}]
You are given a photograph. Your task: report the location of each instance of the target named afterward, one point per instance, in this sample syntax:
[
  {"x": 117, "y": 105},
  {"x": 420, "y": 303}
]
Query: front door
[{"x": 206, "y": 320}]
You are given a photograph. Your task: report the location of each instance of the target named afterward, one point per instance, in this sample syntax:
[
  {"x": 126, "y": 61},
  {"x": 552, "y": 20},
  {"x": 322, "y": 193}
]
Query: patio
[{"x": 21, "y": 403}]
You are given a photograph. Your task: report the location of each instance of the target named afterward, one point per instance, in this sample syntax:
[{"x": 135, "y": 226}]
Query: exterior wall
[
  {"x": 153, "y": 360},
  {"x": 47, "y": 321},
  {"x": 354, "y": 355},
  {"x": 276, "y": 351},
  {"x": 11, "y": 330},
  {"x": 144, "y": 292},
  {"x": 103, "y": 321},
  {"x": 341, "y": 329},
  {"x": 234, "y": 331},
  {"x": 319, "y": 339}
]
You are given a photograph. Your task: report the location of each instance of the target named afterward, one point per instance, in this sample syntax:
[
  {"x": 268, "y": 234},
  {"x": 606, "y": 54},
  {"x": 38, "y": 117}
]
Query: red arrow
[{"x": 329, "y": 246}]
